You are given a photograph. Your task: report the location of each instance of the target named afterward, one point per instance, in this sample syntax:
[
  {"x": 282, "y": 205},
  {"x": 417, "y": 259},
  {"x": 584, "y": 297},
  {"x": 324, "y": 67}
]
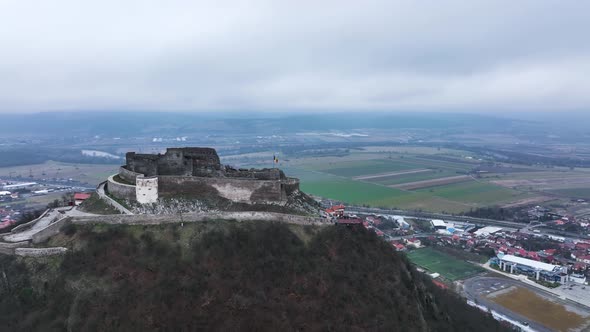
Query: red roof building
[
  {"x": 440, "y": 284},
  {"x": 336, "y": 211},
  {"x": 81, "y": 197}
]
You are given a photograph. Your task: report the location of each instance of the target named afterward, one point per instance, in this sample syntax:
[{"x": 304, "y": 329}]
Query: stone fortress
[{"x": 196, "y": 173}]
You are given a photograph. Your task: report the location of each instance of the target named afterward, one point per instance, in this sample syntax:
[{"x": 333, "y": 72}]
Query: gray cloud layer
[{"x": 280, "y": 55}]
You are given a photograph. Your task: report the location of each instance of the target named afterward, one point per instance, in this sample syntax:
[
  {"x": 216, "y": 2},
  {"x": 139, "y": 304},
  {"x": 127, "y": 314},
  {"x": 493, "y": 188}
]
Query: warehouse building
[{"x": 532, "y": 268}]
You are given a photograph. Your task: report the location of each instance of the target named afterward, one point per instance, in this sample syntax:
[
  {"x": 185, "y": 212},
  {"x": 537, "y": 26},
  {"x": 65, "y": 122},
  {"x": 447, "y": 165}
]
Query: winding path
[{"x": 102, "y": 194}]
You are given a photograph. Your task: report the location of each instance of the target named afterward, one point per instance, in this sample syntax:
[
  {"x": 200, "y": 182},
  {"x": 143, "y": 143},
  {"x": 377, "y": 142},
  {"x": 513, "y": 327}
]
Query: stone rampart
[
  {"x": 198, "y": 217},
  {"x": 40, "y": 252},
  {"x": 49, "y": 231},
  {"x": 29, "y": 224},
  {"x": 290, "y": 185},
  {"x": 120, "y": 190},
  {"x": 238, "y": 190},
  {"x": 128, "y": 175},
  {"x": 8, "y": 248}
]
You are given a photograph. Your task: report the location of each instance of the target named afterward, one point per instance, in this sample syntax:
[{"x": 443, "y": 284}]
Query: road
[
  {"x": 50, "y": 217},
  {"x": 508, "y": 225},
  {"x": 27, "y": 234}
]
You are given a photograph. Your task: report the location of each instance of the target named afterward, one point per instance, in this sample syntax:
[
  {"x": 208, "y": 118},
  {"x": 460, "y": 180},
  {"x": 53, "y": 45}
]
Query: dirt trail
[{"x": 383, "y": 175}]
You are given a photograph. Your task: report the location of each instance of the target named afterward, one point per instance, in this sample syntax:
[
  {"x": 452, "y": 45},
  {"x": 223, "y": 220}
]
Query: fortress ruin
[{"x": 196, "y": 173}]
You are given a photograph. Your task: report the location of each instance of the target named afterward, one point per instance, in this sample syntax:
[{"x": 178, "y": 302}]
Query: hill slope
[{"x": 226, "y": 276}]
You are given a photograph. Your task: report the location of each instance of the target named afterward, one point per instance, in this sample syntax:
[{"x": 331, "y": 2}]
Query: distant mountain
[
  {"x": 125, "y": 124},
  {"x": 224, "y": 276}
]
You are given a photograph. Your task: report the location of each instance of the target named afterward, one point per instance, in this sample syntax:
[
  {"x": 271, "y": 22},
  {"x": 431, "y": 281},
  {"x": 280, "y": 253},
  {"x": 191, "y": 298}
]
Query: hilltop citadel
[{"x": 196, "y": 173}]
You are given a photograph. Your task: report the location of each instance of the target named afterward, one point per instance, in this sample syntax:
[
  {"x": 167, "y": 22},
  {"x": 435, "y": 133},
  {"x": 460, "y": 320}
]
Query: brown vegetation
[{"x": 250, "y": 276}]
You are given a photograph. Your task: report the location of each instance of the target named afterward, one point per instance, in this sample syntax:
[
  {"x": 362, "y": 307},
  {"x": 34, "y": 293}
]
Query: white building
[
  {"x": 515, "y": 264},
  {"x": 577, "y": 278},
  {"x": 402, "y": 223},
  {"x": 18, "y": 185},
  {"x": 438, "y": 224},
  {"x": 487, "y": 231}
]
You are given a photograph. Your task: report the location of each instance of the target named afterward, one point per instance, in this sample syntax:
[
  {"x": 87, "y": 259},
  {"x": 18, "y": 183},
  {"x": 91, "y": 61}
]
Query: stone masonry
[{"x": 196, "y": 173}]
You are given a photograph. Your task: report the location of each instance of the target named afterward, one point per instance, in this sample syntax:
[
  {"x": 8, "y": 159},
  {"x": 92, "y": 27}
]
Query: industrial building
[
  {"x": 532, "y": 268},
  {"x": 18, "y": 185},
  {"x": 485, "y": 231},
  {"x": 438, "y": 224}
]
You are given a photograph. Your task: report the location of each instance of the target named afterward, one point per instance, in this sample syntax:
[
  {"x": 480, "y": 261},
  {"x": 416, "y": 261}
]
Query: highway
[{"x": 508, "y": 225}]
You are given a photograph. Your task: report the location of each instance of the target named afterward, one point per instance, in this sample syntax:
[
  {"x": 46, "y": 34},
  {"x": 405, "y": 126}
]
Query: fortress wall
[
  {"x": 120, "y": 219},
  {"x": 29, "y": 224},
  {"x": 174, "y": 163},
  {"x": 40, "y": 252},
  {"x": 8, "y": 248},
  {"x": 239, "y": 190},
  {"x": 128, "y": 175},
  {"x": 49, "y": 231},
  {"x": 146, "y": 164},
  {"x": 120, "y": 190},
  {"x": 259, "y": 174},
  {"x": 290, "y": 185}
]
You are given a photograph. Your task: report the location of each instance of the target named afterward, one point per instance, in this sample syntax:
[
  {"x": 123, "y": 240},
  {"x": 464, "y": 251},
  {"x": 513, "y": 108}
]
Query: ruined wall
[
  {"x": 146, "y": 189},
  {"x": 29, "y": 224},
  {"x": 258, "y": 174},
  {"x": 146, "y": 164},
  {"x": 49, "y": 231},
  {"x": 290, "y": 185},
  {"x": 120, "y": 190},
  {"x": 174, "y": 163},
  {"x": 122, "y": 219},
  {"x": 8, "y": 248},
  {"x": 198, "y": 173},
  {"x": 128, "y": 175},
  {"x": 40, "y": 252},
  {"x": 239, "y": 190}
]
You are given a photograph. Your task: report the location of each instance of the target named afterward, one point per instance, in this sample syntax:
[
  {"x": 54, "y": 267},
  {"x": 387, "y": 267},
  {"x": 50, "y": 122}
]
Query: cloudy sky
[{"x": 488, "y": 56}]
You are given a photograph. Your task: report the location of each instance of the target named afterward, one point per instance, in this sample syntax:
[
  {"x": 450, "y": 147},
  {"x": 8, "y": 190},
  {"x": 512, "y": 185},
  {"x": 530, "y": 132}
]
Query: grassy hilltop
[{"x": 225, "y": 276}]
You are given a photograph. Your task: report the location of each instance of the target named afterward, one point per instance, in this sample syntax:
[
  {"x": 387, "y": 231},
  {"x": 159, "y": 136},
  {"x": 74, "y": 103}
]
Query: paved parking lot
[
  {"x": 479, "y": 289},
  {"x": 574, "y": 291}
]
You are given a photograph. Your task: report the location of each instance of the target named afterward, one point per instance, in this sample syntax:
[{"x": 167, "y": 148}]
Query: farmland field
[
  {"x": 410, "y": 177},
  {"x": 359, "y": 168},
  {"x": 583, "y": 193},
  {"x": 475, "y": 192},
  {"x": 449, "y": 267},
  {"x": 357, "y": 192},
  {"x": 433, "y": 182},
  {"x": 92, "y": 174},
  {"x": 429, "y": 179}
]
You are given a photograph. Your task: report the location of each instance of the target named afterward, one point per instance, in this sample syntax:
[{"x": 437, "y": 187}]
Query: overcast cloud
[{"x": 492, "y": 56}]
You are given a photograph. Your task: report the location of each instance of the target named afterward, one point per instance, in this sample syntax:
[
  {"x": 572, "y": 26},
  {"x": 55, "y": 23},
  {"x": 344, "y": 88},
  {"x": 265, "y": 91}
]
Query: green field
[
  {"x": 474, "y": 192},
  {"x": 362, "y": 167},
  {"x": 405, "y": 178},
  {"x": 448, "y": 267},
  {"x": 336, "y": 178},
  {"x": 350, "y": 191},
  {"x": 375, "y": 195},
  {"x": 395, "y": 164},
  {"x": 583, "y": 193}
]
